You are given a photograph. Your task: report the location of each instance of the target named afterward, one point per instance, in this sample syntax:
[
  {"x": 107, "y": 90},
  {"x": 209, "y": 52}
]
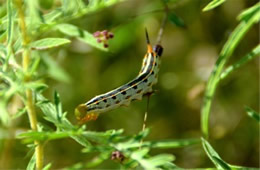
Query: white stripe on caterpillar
[{"x": 123, "y": 95}]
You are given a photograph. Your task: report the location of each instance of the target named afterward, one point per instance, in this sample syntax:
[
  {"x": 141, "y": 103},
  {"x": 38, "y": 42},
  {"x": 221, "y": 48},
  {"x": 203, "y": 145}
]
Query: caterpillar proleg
[{"x": 123, "y": 95}]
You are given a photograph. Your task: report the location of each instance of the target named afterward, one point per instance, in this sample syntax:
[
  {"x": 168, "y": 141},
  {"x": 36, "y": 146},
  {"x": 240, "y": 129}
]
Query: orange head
[{"x": 83, "y": 116}]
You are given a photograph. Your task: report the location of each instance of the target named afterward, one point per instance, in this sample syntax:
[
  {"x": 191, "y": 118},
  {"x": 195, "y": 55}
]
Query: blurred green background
[{"x": 174, "y": 110}]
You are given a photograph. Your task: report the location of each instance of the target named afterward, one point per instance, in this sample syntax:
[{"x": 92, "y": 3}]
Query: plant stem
[
  {"x": 29, "y": 93},
  {"x": 225, "y": 53}
]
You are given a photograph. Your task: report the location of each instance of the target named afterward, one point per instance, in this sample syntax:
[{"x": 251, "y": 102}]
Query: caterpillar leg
[{"x": 150, "y": 93}]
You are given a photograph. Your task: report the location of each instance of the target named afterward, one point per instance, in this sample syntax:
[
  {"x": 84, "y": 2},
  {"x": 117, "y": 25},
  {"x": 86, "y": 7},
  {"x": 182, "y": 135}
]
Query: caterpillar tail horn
[{"x": 149, "y": 47}]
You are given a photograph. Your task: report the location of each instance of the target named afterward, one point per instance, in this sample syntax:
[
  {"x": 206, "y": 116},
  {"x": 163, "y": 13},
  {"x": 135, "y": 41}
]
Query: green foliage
[
  {"x": 252, "y": 113},
  {"x": 47, "y": 43},
  {"x": 213, "y": 4},
  {"x": 54, "y": 70},
  {"x": 82, "y": 35},
  {"x": 253, "y": 54},
  {"x": 104, "y": 142},
  {"x": 47, "y": 19},
  {"x": 176, "y": 20},
  {"x": 247, "y": 19},
  {"x": 213, "y": 155},
  {"x": 216, "y": 159},
  {"x": 32, "y": 163}
]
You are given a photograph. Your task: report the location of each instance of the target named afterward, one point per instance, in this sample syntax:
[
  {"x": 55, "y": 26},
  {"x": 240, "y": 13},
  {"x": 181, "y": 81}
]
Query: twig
[
  {"x": 159, "y": 37},
  {"x": 145, "y": 118},
  {"x": 29, "y": 94}
]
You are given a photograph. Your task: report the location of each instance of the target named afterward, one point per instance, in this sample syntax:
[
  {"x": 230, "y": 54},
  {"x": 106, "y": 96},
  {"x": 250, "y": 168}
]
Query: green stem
[
  {"x": 29, "y": 96},
  {"x": 245, "y": 24},
  {"x": 250, "y": 56}
]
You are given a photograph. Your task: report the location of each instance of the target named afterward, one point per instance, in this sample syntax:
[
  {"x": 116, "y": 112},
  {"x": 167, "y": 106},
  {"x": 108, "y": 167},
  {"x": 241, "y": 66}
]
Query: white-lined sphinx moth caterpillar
[{"x": 123, "y": 95}]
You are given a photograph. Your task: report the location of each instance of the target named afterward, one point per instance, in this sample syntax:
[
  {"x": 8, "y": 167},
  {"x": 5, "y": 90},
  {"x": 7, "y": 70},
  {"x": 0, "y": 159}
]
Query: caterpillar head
[
  {"x": 158, "y": 49},
  {"x": 83, "y": 115}
]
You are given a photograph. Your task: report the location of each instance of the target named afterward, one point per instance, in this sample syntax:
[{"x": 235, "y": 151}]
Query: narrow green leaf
[
  {"x": 213, "y": 4},
  {"x": 138, "y": 156},
  {"x": 247, "y": 14},
  {"x": 10, "y": 22},
  {"x": 161, "y": 159},
  {"x": 31, "y": 164},
  {"x": 253, "y": 54},
  {"x": 43, "y": 136},
  {"x": 170, "y": 165},
  {"x": 225, "y": 54},
  {"x": 253, "y": 114},
  {"x": 221, "y": 163},
  {"x": 48, "y": 109},
  {"x": 4, "y": 116},
  {"x": 154, "y": 162},
  {"x": 35, "y": 64},
  {"x": 54, "y": 70},
  {"x": 50, "y": 114},
  {"x": 176, "y": 20},
  {"x": 17, "y": 46},
  {"x": 2, "y": 35},
  {"x": 36, "y": 85},
  {"x": 19, "y": 113},
  {"x": 58, "y": 105},
  {"x": 47, "y": 167},
  {"x": 173, "y": 143},
  {"x": 52, "y": 16},
  {"x": 35, "y": 19},
  {"x": 81, "y": 34},
  {"x": 213, "y": 155},
  {"x": 98, "y": 159},
  {"x": 3, "y": 52},
  {"x": 71, "y": 7},
  {"x": 9, "y": 32},
  {"x": 101, "y": 137},
  {"x": 47, "y": 43}
]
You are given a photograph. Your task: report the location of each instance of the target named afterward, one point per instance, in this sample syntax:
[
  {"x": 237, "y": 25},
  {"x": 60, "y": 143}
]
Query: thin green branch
[
  {"x": 227, "y": 51},
  {"x": 29, "y": 94},
  {"x": 250, "y": 56}
]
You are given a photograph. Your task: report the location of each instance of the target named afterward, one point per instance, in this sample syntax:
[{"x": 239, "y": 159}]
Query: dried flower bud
[
  {"x": 103, "y": 37},
  {"x": 105, "y": 32},
  {"x": 99, "y": 40},
  {"x": 117, "y": 155},
  {"x": 110, "y": 35},
  {"x": 96, "y": 34},
  {"x": 105, "y": 45}
]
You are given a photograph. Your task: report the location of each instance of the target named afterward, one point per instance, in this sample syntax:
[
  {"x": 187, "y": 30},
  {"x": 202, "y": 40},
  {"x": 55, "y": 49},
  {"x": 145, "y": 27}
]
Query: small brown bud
[{"x": 110, "y": 35}]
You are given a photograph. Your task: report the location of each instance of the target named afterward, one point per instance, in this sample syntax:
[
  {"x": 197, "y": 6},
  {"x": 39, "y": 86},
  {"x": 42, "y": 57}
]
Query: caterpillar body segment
[{"x": 123, "y": 95}]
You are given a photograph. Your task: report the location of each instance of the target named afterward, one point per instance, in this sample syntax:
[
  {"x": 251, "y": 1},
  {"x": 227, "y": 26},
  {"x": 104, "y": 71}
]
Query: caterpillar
[{"x": 123, "y": 95}]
